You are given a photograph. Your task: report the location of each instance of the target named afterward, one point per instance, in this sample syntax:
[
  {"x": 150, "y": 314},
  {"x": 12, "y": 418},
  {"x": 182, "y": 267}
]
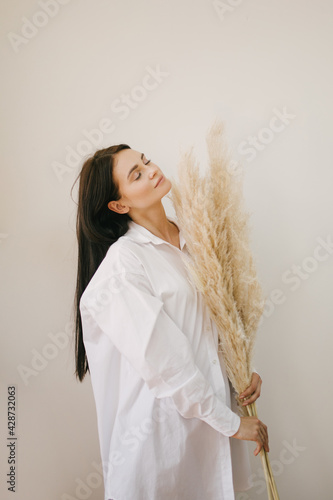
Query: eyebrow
[{"x": 134, "y": 166}]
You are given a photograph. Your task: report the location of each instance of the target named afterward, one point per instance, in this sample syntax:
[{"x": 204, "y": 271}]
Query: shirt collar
[{"x": 136, "y": 232}]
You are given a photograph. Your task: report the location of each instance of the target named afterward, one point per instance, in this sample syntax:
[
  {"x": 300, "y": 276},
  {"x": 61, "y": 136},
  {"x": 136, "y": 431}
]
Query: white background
[{"x": 241, "y": 63}]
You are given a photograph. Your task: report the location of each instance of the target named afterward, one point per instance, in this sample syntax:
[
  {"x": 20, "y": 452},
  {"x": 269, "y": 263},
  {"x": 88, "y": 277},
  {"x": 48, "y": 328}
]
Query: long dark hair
[{"x": 97, "y": 227}]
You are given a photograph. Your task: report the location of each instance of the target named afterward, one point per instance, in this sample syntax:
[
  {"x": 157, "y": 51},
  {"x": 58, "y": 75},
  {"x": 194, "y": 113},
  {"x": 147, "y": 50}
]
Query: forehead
[{"x": 126, "y": 159}]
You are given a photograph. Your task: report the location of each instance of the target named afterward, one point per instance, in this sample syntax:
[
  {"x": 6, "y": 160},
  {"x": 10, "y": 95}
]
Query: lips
[{"x": 159, "y": 181}]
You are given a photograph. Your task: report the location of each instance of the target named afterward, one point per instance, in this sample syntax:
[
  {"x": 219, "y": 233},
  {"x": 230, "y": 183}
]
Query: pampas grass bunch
[{"x": 211, "y": 215}]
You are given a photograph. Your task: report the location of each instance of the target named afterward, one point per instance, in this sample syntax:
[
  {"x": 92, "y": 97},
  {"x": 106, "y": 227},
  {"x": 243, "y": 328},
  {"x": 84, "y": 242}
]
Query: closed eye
[{"x": 139, "y": 173}]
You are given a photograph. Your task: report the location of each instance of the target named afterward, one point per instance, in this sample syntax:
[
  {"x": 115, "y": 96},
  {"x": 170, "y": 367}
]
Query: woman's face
[{"x": 141, "y": 182}]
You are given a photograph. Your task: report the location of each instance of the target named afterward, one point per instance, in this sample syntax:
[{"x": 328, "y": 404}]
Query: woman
[{"x": 165, "y": 414}]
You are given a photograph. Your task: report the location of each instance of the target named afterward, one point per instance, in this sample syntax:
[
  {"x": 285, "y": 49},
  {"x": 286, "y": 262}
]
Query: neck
[{"x": 155, "y": 220}]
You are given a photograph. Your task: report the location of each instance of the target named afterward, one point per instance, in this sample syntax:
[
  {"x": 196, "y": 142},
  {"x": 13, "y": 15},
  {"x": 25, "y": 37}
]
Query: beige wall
[{"x": 248, "y": 65}]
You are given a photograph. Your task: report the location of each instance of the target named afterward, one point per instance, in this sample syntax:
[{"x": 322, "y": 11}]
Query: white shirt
[{"x": 164, "y": 411}]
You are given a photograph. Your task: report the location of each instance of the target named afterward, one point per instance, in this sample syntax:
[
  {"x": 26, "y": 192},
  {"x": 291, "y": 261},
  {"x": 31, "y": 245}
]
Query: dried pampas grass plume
[
  {"x": 215, "y": 226},
  {"x": 210, "y": 212}
]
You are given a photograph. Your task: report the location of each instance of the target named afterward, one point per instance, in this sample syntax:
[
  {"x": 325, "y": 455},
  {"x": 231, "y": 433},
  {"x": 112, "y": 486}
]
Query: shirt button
[{"x": 214, "y": 361}]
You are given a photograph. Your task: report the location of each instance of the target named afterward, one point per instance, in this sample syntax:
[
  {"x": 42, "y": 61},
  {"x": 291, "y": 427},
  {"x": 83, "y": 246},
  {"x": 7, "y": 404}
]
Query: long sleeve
[{"x": 124, "y": 307}]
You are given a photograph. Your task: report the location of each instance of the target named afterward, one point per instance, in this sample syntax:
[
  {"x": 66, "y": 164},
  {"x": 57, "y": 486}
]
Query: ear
[{"x": 116, "y": 206}]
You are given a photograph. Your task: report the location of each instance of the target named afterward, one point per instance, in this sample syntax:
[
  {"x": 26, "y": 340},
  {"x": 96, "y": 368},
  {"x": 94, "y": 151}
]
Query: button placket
[
  {"x": 216, "y": 369},
  {"x": 213, "y": 355}
]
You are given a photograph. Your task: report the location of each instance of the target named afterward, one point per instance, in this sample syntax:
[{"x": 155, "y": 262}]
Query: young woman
[{"x": 165, "y": 412}]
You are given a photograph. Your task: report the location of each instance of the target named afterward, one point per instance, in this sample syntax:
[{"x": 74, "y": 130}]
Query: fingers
[
  {"x": 252, "y": 387},
  {"x": 259, "y": 447},
  {"x": 257, "y": 450},
  {"x": 253, "y": 391},
  {"x": 262, "y": 439},
  {"x": 248, "y": 391},
  {"x": 252, "y": 398}
]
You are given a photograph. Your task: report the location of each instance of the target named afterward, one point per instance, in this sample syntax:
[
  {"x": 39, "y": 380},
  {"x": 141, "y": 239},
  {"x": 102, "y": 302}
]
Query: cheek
[
  {"x": 142, "y": 189},
  {"x": 140, "y": 192}
]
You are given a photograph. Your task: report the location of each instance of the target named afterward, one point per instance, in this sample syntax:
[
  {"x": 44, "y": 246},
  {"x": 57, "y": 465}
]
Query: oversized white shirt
[{"x": 163, "y": 402}]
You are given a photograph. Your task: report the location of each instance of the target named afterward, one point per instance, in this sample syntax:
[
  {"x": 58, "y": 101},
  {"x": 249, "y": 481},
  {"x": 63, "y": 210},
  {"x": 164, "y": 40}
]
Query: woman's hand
[
  {"x": 253, "y": 390},
  {"x": 253, "y": 429}
]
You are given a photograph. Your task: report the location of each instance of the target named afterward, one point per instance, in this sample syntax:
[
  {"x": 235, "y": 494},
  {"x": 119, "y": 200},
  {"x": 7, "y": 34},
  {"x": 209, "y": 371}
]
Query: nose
[{"x": 153, "y": 171}]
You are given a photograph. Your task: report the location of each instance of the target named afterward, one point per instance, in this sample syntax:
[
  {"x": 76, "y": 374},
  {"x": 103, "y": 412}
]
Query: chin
[
  {"x": 167, "y": 186},
  {"x": 164, "y": 188}
]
